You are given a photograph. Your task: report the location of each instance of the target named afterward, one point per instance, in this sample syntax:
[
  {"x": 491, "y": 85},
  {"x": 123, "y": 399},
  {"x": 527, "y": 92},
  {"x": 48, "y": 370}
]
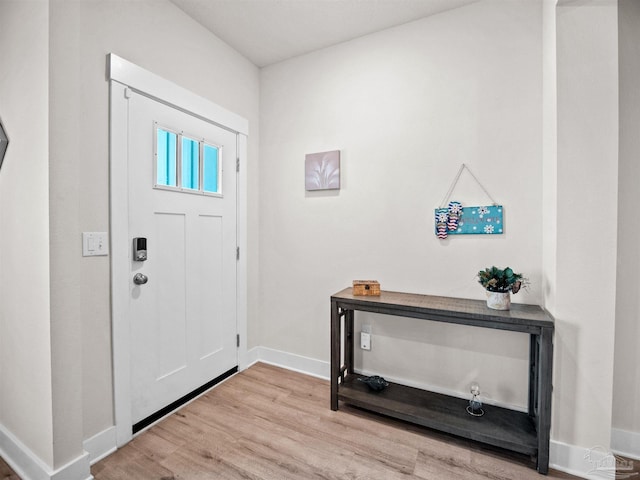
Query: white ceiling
[{"x": 269, "y": 31}]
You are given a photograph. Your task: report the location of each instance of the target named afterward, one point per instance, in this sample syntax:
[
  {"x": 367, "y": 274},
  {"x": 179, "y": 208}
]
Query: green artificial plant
[{"x": 499, "y": 280}]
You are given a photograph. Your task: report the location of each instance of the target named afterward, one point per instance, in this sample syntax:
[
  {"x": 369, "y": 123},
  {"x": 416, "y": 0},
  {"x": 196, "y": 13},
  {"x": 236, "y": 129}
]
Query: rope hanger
[{"x": 445, "y": 200}]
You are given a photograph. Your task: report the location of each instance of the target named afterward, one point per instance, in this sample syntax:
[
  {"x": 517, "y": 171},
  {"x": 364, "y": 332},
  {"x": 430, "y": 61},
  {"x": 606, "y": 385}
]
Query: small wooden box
[{"x": 366, "y": 287}]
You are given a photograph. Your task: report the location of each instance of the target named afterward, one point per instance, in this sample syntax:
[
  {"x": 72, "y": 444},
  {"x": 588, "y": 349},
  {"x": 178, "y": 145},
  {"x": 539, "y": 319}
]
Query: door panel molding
[{"x": 123, "y": 76}]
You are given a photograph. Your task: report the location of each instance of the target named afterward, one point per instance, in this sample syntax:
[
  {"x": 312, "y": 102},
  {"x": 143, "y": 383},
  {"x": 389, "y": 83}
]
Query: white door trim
[
  {"x": 122, "y": 75},
  {"x": 165, "y": 91}
]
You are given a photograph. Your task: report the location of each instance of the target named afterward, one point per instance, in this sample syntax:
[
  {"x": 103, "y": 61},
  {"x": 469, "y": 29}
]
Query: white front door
[{"x": 182, "y": 200}]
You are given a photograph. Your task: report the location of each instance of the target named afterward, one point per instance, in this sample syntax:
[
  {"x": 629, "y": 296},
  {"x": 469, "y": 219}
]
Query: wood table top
[{"x": 424, "y": 305}]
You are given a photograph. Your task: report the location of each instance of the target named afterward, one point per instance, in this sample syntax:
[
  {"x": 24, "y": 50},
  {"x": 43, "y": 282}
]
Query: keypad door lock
[{"x": 139, "y": 249}]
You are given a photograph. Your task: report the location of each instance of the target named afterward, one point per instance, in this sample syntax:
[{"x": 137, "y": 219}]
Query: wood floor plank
[
  {"x": 285, "y": 440},
  {"x": 154, "y": 446},
  {"x": 284, "y": 420},
  {"x": 128, "y": 463},
  {"x": 186, "y": 464},
  {"x": 6, "y": 473},
  {"x": 443, "y": 466}
]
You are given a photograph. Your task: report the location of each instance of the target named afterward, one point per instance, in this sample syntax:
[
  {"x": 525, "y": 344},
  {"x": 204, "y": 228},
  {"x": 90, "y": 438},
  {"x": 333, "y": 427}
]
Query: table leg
[
  {"x": 533, "y": 374},
  {"x": 545, "y": 387},
  {"x": 348, "y": 341},
  {"x": 335, "y": 354}
]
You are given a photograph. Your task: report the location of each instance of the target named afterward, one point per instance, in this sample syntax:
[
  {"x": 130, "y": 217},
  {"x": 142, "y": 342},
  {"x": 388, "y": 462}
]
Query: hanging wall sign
[
  {"x": 480, "y": 220},
  {"x": 453, "y": 218}
]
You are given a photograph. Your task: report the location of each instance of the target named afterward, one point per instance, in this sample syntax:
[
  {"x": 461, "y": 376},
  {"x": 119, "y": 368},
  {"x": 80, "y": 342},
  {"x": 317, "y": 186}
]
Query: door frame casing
[{"x": 124, "y": 75}]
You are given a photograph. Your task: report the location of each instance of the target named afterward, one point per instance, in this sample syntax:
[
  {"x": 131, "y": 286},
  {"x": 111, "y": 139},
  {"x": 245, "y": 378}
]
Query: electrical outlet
[{"x": 365, "y": 341}]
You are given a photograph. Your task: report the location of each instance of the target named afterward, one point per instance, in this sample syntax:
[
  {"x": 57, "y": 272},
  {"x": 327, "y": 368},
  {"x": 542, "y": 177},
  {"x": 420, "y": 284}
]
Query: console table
[{"x": 526, "y": 433}]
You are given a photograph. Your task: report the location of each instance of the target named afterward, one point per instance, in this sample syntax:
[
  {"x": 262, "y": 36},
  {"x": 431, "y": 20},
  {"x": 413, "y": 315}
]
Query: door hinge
[
  {"x": 237, "y": 164},
  {"x": 237, "y": 253},
  {"x": 238, "y": 340},
  {"x": 127, "y": 92}
]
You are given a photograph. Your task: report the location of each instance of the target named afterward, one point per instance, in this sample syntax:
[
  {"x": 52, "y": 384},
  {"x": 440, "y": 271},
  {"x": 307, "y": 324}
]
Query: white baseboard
[
  {"x": 595, "y": 463},
  {"x": 290, "y": 361},
  {"x": 101, "y": 445},
  {"x": 625, "y": 443},
  {"x": 252, "y": 356},
  {"x": 29, "y": 466},
  {"x": 446, "y": 391},
  {"x": 75, "y": 470},
  {"x": 318, "y": 368}
]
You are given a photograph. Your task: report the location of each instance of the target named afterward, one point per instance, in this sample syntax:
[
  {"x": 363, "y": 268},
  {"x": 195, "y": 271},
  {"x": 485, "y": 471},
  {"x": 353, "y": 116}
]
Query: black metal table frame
[{"x": 344, "y": 305}]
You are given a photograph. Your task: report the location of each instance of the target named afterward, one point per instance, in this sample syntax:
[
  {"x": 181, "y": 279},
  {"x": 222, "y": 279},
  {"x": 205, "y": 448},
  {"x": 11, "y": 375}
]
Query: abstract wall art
[{"x": 322, "y": 171}]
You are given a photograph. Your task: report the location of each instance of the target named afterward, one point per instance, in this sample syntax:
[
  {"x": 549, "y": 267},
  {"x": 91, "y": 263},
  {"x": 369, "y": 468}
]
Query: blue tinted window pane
[
  {"x": 166, "y": 158},
  {"x": 210, "y": 173},
  {"x": 190, "y": 163}
]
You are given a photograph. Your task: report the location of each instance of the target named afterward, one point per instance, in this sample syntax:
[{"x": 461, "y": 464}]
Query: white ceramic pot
[{"x": 499, "y": 300}]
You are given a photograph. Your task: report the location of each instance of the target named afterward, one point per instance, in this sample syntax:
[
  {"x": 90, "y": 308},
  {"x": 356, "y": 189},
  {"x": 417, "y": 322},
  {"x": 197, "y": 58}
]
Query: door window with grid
[{"x": 186, "y": 163}]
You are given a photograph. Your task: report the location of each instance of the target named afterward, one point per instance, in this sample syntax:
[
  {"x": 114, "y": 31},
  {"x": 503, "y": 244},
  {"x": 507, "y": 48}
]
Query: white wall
[
  {"x": 25, "y": 352},
  {"x": 159, "y": 37},
  {"x": 406, "y": 107},
  {"x": 549, "y": 153},
  {"x": 626, "y": 410},
  {"x": 587, "y": 195},
  {"x": 67, "y": 325}
]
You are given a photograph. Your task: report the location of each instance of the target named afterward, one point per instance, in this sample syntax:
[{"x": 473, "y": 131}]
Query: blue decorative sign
[{"x": 480, "y": 220}]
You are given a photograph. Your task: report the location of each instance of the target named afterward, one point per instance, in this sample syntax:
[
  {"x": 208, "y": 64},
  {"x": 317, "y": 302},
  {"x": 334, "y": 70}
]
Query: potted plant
[{"x": 499, "y": 283}]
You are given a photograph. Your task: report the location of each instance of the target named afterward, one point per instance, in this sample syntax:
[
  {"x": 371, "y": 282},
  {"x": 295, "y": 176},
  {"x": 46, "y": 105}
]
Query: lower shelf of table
[{"x": 499, "y": 427}]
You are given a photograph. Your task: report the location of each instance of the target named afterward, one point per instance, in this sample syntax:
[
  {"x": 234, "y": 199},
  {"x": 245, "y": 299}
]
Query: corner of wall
[
  {"x": 593, "y": 463},
  {"x": 626, "y": 383}
]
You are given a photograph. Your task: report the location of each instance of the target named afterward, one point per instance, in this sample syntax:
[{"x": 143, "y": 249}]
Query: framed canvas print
[{"x": 322, "y": 171}]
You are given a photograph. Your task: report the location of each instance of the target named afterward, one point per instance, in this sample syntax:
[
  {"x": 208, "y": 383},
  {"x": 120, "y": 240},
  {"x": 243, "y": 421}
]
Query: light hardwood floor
[
  {"x": 6, "y": 473},
  {"x": 273, "y": 424},
  {"x": 268, "y": 423}
]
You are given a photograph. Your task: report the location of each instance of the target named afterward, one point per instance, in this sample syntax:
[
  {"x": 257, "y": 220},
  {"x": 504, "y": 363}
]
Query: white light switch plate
[{"x": 95, "y": 243}]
